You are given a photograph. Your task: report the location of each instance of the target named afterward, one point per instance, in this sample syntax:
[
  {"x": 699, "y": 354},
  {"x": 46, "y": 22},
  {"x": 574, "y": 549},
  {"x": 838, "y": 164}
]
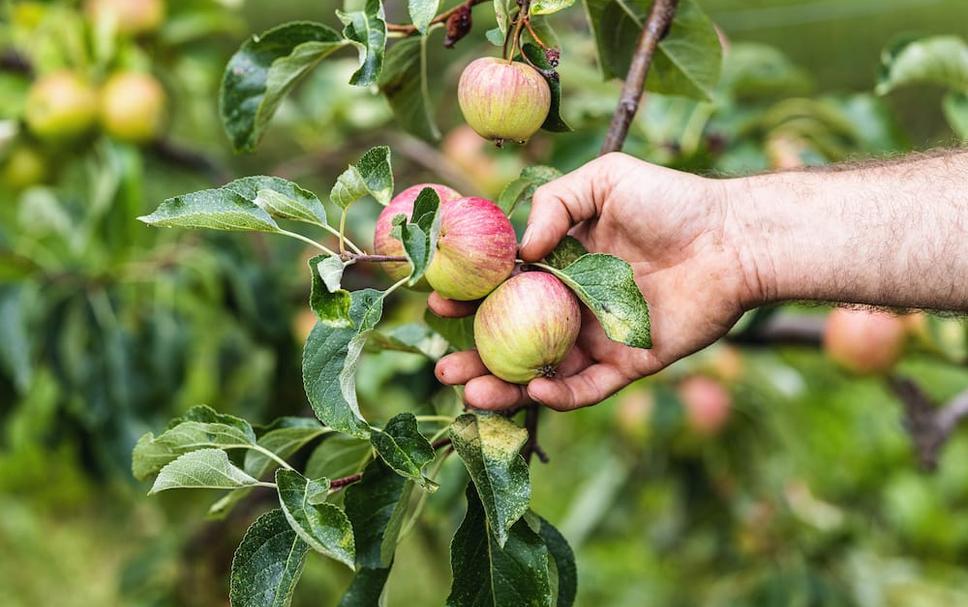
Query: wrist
[{"x": 748, "y": 230}]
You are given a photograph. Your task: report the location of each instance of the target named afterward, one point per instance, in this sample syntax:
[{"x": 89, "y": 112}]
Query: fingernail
[{"x": 528, "y": 235}]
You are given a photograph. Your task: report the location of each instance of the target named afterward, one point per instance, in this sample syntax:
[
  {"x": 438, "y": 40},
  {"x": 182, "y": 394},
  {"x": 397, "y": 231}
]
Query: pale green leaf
[
  {"x": 202, "y": 469},
  {"x": 323, "y": 526}
]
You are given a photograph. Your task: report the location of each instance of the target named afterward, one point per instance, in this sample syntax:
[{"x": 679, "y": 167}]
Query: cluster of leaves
[
  {"x": 267, "y": 67},
  {"x": 520, "y": 556}
]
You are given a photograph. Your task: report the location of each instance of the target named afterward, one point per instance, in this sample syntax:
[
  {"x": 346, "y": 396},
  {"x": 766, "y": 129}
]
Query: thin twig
[
  {"x": 930, "y": 426},
  {"x": 531, "y": 447},
  {"x": 410, "y": 29},
  {"x": 357, "y": 258},
  {"x": 656, "y": 26}
]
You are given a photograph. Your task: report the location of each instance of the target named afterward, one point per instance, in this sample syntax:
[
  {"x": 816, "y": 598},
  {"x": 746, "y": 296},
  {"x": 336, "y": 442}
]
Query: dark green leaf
[
  {"x": 404, "y": 83},
  {"x": 941, "y": 60},
  {"x": 688, "y": 59},
  {"x": 330, "y": 359},
  {"x": 332, "y": 307},
  {"x": 565, "y": 252},
  {"x": 280, "y": 198},
  {"x": 554, "y": 122},
  {"x": 372, "y": 175},
  {"x": 459, "y": 332},
  {"x": 956, "y": 111},
  {"x": 261, "y": 73},
  {"x": 368, "y": 30},
  {"x": 404, "y": 449},
  {"x": 366, "y": 588},
  {"x": 202, "y": 469},
  {"x": 487, "y": 573},
  {"x": 376, "y": 506},
  {"x": 216, "y": 209},
  {"x": 323, "y": 526},
  {"x": 14, "y": 339},
  {"x": 564, "y": 560},
  {"x": 422, "y": 12},
  {"x": 419, "y": 235},
  {"x": 490, "y": 447},
  {"x": 607, "y": 286},
  {"x": 267, "y": 564}
]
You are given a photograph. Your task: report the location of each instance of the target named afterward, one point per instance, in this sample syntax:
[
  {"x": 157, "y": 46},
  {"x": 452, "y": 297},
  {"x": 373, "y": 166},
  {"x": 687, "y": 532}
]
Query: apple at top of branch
[{"x": 503, "y": 100}]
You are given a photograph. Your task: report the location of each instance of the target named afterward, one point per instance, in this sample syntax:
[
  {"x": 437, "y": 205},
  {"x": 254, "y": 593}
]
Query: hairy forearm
[{"x": 889, "y": 234}]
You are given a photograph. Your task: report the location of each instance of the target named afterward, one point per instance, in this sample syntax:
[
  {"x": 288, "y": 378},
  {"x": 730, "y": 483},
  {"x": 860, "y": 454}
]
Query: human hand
[{"x": 679, "y": 234}]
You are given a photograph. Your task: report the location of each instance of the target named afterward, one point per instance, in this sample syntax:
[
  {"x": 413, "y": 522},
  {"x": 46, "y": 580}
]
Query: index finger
[{"x": 449, "y": 308}]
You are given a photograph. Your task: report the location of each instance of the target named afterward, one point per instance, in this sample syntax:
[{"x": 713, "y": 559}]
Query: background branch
[
  {"x": 656, "y": 26},
  {"x": 929, "y": 425}
]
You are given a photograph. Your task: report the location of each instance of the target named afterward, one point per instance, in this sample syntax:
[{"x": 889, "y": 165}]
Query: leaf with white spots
[
  {"x": 323, "y": 526},
  {"x": 490, "y": 446},
  {"x": 607, "y": 286},
  {"x": 202, "y": 469},
  {"x": 267, "y": 564}
]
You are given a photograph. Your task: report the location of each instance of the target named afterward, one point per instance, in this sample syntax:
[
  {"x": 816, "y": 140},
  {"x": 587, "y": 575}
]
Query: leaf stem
[
  {"x": 342, "y": 232},
  {"x": 434, "y": 418},
  {"x": 396, "y": 286},
  {"x": 348, "y": 242},
  {"x": 271, "y": 456},
  {"x": 307, "y": 241}
]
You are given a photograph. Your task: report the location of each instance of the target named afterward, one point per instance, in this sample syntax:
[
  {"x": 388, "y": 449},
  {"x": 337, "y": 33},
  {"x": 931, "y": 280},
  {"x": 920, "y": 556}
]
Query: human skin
[{"x": 704, "y": 250}]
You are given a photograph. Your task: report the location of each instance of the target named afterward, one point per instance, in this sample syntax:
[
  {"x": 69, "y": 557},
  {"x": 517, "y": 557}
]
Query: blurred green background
[{"x": 810, "y": 494}]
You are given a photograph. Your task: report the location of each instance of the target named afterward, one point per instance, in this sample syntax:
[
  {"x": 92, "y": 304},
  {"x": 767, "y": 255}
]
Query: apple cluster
[{"x": 527, "y": 322}]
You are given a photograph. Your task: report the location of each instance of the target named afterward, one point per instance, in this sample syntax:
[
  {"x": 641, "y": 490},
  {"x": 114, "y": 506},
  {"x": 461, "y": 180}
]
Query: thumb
[{"x": 558, "y": 205}]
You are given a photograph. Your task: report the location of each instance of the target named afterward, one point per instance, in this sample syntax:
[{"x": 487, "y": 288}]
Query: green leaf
[
  {"x": 490, "y": 447},
  {"x": 371, "y": 175},
  {"x": 607, "y": 286},
  {"x": 956, "y": 112},
  {"x": 332, "y": 307},
  {"x": 284, "y": 442},
  {"x": 202, "y": 469},
  {"x": 404, "y": 449},
  {"x": 267, "y": 564},
  {"x": 522, "y": 189},
  {"x": 419, "y": 235},
  {"x": 489, "y": 573},
  {"x": 337, "y": 456},
  {"x": 261, "y": 73},
  {"x": 688, "y": 59},
  {"x": 459, "y": 332},
  {"x": 376, "y": 507},
  {"x": 502, "y": 14},
  {"x": 15, "y": 351},
  {"x": 565, "y": 253},
  {"x": 404, "y": 84},
  {"x": 412, "y": 337},
  {"x": 323, "y": 526},
  {"x": 366, "y": 588},
  {"x": 280, "y": 198},
  {"x": 422, "y": 12},
  {"x": 330, "y": 359},
  {"x": 200, "y": 428},
  {"x": 495, "y": 36},
  {"x": 564, "y": 561},
  {"x": 554, "y": 123},
  {"x": 941, "y": 60},
  {"x": 547, "y": 7},
  {"x": 330, "y": 269},
  {"x": 216, "y": 209},
  {"x": 368, "y": 30}
]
